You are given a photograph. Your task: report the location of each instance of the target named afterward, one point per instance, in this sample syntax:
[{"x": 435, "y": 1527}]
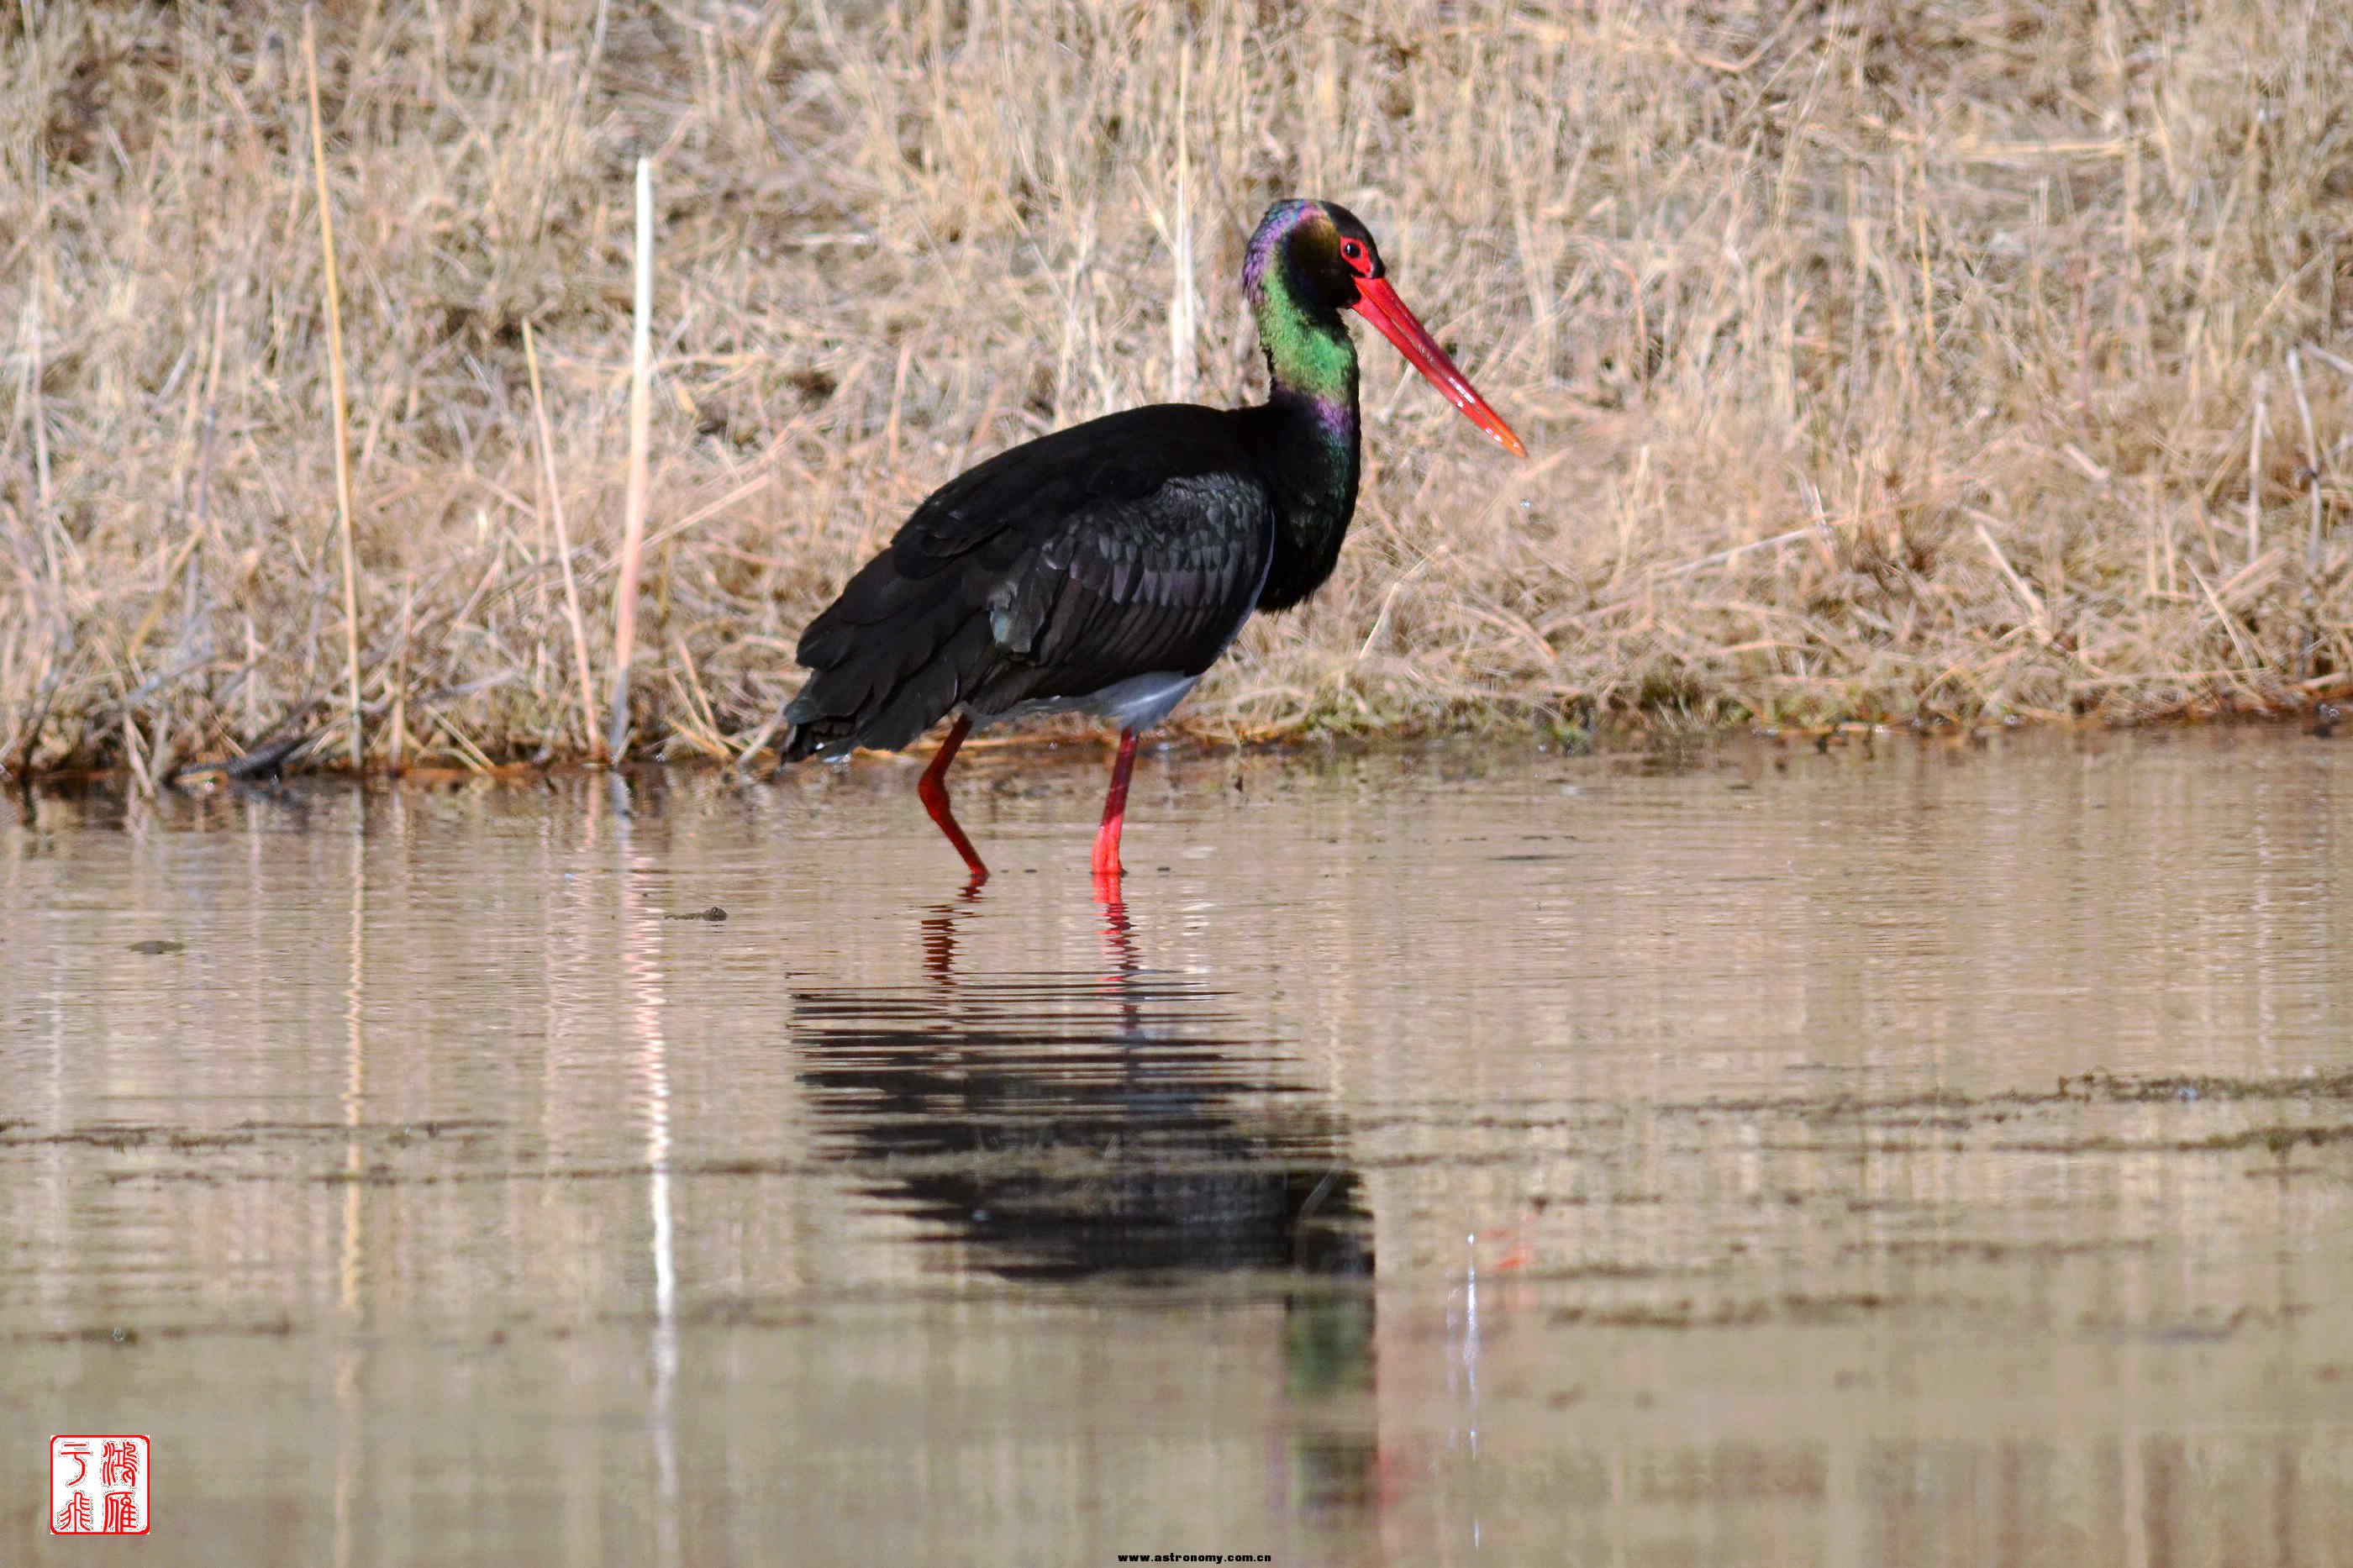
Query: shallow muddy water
[{"x": 1906, "y": 1152}]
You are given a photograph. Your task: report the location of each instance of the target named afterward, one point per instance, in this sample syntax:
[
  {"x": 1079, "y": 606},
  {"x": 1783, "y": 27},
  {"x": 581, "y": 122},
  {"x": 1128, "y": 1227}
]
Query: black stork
[{"x": 1103, "y": 568}]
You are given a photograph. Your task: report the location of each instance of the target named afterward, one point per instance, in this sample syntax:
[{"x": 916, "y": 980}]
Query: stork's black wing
[{"x": 1129, "y": 545}]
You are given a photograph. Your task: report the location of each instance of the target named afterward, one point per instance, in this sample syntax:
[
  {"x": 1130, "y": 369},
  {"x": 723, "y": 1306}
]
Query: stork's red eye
[{"x": 1355, "y": 253}]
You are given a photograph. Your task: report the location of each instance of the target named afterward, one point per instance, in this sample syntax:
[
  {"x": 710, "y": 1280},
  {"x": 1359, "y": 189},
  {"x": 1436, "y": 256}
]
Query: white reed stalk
[{"x": 633, "y": 531}]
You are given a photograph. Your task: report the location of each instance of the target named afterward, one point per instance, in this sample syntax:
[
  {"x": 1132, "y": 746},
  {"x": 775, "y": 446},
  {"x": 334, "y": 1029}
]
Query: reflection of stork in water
[
  {"x": 1118, "y": 1123},
  {"x": 1118, "y": 940},
  {"x": 1108, "y": 1123},
  {"x": 1064, "y": 1137}
]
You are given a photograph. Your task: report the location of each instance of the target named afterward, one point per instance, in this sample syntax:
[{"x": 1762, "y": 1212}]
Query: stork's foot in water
[
  {"x": 934, "y": 788},
  {"x": 1114, "y": 811}
]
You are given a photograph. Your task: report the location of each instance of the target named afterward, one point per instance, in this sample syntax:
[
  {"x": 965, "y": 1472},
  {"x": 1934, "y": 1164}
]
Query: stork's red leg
[
  {"x": 1114, "y": 809},
  {"x": 934, "y": 790}
]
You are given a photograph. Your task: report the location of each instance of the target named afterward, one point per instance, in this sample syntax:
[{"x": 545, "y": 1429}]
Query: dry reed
[
  {"x": 633, "y": 522},
  {"x": 331, "y": 289},
  {"x": 1880, "y": 362},
  {"x": 552, "y": 489}
]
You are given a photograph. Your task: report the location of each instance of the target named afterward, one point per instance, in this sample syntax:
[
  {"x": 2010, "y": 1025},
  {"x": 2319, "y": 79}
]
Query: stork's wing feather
[
  {"x": 1151, "y": 585},
  {"x": 1132, "y": 545}
]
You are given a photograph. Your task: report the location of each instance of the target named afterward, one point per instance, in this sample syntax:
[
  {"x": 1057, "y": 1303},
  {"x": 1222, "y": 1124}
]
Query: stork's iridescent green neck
[
  {"x": 1310, "y": 357},
  {"x": 1313, "y": 456}
]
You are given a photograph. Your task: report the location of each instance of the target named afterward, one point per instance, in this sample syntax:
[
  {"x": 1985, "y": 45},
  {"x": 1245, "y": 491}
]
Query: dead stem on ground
[{"x": 1935, "y": 361}]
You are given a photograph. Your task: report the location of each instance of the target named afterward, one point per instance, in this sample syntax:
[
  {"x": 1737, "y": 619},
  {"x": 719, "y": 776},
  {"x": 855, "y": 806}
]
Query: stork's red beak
[{"x": 1378, "y": 303}]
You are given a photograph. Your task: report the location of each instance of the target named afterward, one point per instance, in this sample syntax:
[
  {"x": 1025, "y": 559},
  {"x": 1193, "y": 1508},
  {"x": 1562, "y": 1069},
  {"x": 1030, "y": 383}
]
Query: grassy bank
[{"x": 1878, "y": 360}]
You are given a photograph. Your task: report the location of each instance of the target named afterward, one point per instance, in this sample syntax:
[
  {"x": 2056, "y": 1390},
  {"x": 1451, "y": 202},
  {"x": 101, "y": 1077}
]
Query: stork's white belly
[{"x": 1136, "y": 703}]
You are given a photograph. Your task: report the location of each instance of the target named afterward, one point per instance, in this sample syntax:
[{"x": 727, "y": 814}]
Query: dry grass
[{"x": 1879, "y": 359}]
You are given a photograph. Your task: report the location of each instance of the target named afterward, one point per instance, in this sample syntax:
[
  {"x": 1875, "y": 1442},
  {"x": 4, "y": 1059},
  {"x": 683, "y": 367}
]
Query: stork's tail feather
[{"x": 887, "y": 691}]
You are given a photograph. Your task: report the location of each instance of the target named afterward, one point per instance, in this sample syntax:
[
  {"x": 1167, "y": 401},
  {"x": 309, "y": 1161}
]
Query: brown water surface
[{"x": 1909, "y": 1152}]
